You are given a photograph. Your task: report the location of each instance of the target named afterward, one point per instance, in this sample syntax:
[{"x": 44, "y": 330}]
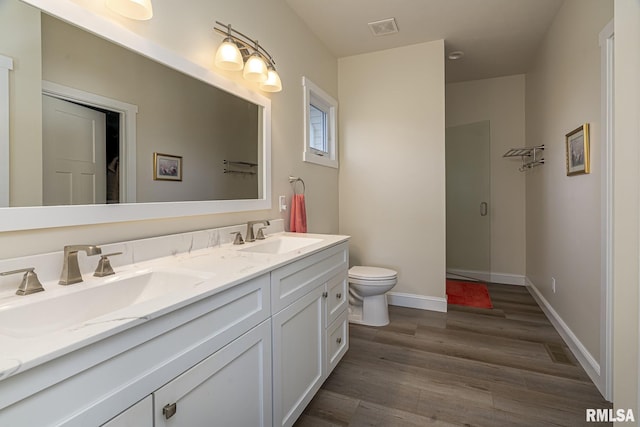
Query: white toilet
[{"x": 367, "y": 294}]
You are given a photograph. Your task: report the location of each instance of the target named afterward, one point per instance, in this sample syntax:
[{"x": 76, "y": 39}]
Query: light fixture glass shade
[
  {"x": 134, "y": 9},
  {"x": 273, "y": 83},
  {"x": 255, "y": 70},
  {"x": 228, "y": 56}
]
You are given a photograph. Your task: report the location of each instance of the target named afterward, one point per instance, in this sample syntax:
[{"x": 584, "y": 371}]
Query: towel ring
[{"x": 294, "y": 180}]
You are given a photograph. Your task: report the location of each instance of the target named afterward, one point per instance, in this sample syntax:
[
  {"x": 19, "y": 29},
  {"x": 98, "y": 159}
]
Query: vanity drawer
[
  {"x": 337, "y": 341},
  {"x": 337, "y": 291},
  {"x": 291, "y": 282}
]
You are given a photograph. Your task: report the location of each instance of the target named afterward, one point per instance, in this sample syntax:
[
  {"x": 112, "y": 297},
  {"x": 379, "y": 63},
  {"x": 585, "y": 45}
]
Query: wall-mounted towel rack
[
  {"x": 530, "y": 156},
  {"x": 294, "y": 180},
  {"x": 242, "y": 168}
]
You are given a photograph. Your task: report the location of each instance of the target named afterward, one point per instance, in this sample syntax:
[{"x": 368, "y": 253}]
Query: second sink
[{"x": 282, "y": 245}]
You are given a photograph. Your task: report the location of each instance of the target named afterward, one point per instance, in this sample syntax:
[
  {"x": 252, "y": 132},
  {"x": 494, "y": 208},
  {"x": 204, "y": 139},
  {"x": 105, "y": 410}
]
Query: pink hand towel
[{"x": 298, "y": 222}]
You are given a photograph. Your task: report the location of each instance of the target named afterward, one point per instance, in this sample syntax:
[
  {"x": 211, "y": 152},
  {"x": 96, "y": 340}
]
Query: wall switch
[
  {"x": 553, "y": 284},
  {"x": 282, "y": 203}
]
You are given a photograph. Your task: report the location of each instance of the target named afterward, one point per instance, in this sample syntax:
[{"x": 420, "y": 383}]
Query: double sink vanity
[{"x": 190, "y": 330}]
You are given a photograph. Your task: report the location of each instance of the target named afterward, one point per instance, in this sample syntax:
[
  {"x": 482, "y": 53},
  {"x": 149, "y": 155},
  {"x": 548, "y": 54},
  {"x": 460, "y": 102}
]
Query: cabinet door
[
  {"x": 232, "y": 387},
  {"x": 139, "y": 415},
  {"x": 298, "y": 362}
]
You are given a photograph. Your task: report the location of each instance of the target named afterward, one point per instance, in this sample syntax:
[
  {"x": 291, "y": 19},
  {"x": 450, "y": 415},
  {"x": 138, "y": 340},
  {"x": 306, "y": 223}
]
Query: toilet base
[{"x": 373, "y": 311}]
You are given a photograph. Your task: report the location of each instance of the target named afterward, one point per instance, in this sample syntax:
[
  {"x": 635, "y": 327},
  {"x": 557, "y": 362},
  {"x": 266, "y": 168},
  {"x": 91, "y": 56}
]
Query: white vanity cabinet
[
  {"x": 310, "y": 328},
  {"x": 232, "y": 387},
  {"x": 91, "y": 385},
  {"x": 251, "y": 354}
]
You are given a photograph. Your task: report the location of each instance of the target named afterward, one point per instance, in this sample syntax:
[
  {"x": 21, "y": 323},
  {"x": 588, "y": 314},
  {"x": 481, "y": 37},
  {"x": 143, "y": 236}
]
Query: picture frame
[
  {"x": 167, "y": 167},
  {"x": 578, "y": 155}
]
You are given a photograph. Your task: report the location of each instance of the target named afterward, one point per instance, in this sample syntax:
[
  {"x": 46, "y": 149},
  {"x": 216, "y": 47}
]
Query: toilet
[{"x": 367, "y": 294}]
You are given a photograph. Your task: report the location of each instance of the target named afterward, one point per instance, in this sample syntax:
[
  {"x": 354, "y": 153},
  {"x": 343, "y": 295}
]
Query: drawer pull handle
[
  {"x": 339, "y": 340},
  {"x": 169, "y": 410},
  {"x": 339, "y": 295},
  {"x": 325, "y": 294}
]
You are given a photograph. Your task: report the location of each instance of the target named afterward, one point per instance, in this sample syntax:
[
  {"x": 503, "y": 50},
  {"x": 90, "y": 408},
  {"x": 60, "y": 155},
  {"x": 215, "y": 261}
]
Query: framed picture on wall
[
  {"x": 578, "y": 151},
  {"x": 167, "y": 167}
]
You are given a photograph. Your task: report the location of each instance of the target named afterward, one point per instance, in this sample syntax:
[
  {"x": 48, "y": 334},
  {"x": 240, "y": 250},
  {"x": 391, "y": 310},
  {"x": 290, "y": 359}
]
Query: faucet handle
[
  {"x": 104, "y": 265},
  {"x": 89, "y": 249},
  {"x": 238, "y": 240},
  {"x": 260, "y": 235},
  {"x": 30, "y": 283}
]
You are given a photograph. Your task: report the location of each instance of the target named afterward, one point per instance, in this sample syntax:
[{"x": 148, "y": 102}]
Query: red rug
[{"x": 471, "y": 294}]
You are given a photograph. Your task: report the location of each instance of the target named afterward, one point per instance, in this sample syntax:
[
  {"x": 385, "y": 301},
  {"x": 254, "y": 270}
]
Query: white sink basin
[
  {"x": 281, "y": 245},
  {"x": 88, "y": 301}
]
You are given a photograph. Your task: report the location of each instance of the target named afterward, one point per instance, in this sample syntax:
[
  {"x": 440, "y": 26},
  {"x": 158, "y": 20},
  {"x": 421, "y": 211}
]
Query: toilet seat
[
  {"x": 373, "y": 283},
  {"x": 372, "y": 274}
]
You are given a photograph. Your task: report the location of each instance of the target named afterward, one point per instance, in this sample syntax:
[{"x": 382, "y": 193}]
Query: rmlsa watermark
[{"x": 610, "y": 416}]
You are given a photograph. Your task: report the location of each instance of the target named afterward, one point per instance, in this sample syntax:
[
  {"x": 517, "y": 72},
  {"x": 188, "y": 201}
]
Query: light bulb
[
  {"x": 255, "y": 70},
  {"x": 134, "y": 9},
  {"x": 273, "y": 83},
  {"x": 228, "y": 56}
]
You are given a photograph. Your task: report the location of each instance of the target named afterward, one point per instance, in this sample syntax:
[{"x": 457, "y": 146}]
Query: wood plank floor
[{"x": 468, "y": 367}]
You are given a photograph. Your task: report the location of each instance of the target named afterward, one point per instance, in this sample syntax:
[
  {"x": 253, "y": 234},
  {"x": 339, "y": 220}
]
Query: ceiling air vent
[{"x": 384, "y": 27}]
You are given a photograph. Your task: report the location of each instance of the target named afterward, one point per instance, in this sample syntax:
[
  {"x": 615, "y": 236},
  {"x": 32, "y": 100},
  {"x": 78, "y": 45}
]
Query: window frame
[{"x": 322, "y": 101}]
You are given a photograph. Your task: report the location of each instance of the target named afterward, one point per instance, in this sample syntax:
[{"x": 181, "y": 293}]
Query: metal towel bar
[
  {"x": 530, "y": 156},
  {"x": 294, "y": 180}
]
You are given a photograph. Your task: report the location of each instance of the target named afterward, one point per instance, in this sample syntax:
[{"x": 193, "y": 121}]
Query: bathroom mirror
[{"x": 203, "y": 186}]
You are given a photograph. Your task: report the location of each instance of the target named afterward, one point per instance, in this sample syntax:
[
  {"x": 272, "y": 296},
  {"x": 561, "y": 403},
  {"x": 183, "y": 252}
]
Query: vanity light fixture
[
  {"x": 239, "y": 52},
  {"x": 140, "y": 10},
  {"x": 228, "y": 56},
  {"x": 255, "y": 70},
  {"x": 273, "y": 83}
]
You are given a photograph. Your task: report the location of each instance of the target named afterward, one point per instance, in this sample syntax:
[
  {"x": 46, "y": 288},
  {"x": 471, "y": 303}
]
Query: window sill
[{"x": 319, "y": 160}]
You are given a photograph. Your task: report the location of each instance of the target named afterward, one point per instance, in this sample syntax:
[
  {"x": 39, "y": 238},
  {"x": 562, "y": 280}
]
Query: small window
[{"x": 320, "y": 137}]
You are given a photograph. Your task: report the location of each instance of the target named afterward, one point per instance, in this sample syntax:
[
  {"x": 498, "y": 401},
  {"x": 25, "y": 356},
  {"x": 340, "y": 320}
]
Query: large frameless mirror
[{"x": 121, "y": 133}]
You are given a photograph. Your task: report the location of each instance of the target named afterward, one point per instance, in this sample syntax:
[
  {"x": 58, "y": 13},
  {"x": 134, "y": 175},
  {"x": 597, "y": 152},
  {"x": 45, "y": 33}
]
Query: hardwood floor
[{"x": 468, "y": 367}]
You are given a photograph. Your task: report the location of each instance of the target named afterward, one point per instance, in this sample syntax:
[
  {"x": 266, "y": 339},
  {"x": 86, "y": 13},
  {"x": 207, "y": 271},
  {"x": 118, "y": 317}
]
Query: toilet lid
[{"x": 371, "y": 273}]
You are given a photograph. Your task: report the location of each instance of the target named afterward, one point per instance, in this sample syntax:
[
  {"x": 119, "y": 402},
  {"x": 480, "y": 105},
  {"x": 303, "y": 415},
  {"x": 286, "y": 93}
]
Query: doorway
[{"x": 468, "y": 188}]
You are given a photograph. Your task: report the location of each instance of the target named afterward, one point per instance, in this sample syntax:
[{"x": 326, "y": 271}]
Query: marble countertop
[{"x": 214, "y": 269}]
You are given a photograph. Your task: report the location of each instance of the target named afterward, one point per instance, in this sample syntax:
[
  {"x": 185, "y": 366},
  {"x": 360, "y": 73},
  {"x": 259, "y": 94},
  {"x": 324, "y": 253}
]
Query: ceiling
[{"x": 498, "y": 37}]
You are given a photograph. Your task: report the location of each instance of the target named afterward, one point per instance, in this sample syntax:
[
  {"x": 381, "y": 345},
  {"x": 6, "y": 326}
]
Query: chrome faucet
[
  {"x": 250, "y": 235},
  {"x": 70, "y": 268}
]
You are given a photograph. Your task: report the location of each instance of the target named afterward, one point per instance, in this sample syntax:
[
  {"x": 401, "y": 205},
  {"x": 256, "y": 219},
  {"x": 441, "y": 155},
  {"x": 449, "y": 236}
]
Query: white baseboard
[
  {"x": 588, "y": 362},
  {"x": 417, "y": 301},
  {"x": 487, "y": 276}
]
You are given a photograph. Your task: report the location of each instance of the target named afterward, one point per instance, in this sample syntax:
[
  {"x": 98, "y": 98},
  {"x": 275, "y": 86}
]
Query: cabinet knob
[
  {"x": 339, "y": 295},
  {"x": 339, "y": 340},
  {"x": 169, "y": 410},
  {"x": 325, "y": 294}
]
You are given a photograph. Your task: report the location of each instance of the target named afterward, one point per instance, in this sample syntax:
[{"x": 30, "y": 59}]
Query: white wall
[
  {"x": 626, "y": 210},
  {"x": 188, "y": 31},
  {"x": 20, "y": 38},
  {"x": 501, "y": 101},
  {"x": 563, "y": 213},
  {"x": 392, "y": 177}
]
